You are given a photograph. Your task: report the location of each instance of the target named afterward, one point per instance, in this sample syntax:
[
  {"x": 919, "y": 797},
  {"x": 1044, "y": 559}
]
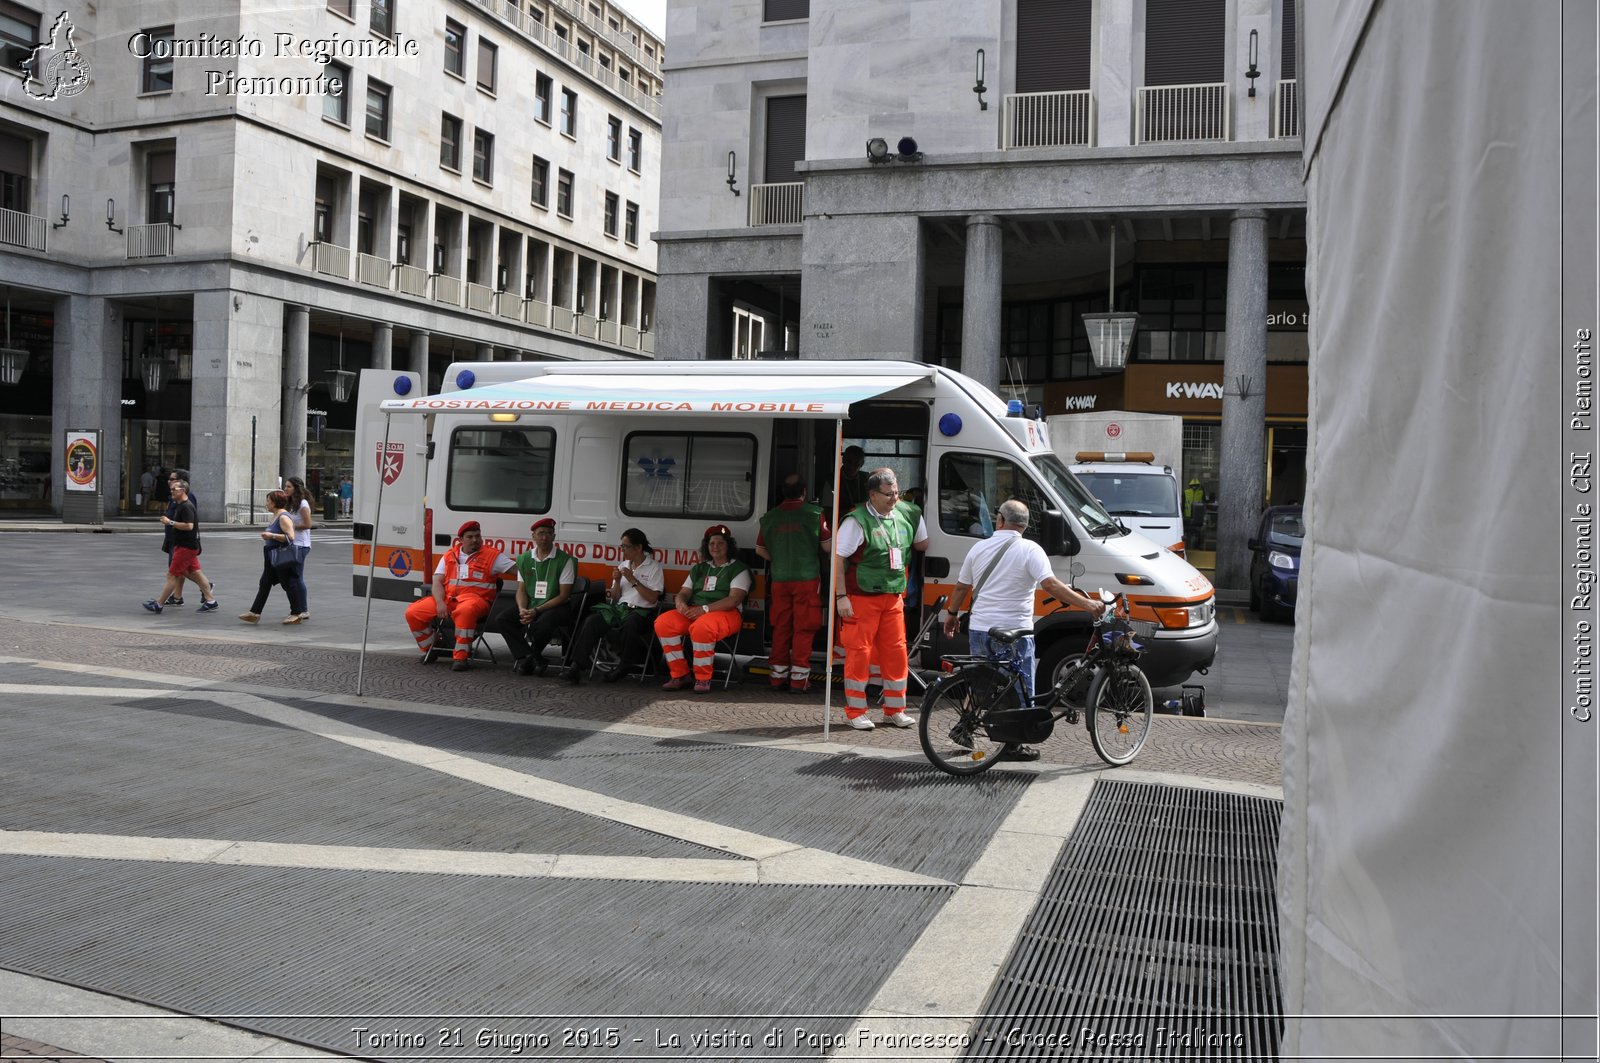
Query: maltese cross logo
[{"x": 390, "y": 464}]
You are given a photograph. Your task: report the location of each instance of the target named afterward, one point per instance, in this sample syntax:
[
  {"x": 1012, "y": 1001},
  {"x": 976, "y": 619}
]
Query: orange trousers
[
  {"x": 466, "y": 612},
  {"x": 703, "y": 632},
  {"x": 875, "y": 638}
]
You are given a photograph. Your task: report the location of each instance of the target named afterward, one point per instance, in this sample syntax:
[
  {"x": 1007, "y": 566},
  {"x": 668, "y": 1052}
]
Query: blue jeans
[{"x": 979, "y": 644}]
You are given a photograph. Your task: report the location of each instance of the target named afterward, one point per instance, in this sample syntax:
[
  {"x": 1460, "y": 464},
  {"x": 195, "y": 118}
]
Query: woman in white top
[
  {"x": 300, "y": 509},
  {"x": 625, "y": 617}
]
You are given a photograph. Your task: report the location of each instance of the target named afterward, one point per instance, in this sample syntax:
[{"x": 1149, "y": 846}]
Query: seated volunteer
[
  {"x": 623, "y": 619},
  {"x": 543, "y": 608},
  {"x": 707, "y": 609},
  {"x": 463, "y": 593},
  {"x": 1001, "y": 573}
]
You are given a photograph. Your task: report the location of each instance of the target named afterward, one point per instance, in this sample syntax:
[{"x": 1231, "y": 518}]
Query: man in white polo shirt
[{"x": 1008, "y": 567}]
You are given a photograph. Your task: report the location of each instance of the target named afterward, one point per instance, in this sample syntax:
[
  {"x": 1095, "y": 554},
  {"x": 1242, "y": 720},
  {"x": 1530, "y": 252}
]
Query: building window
[
  {"x": 450, "y": 142},
  {"x": 611, "y": 214},
  {"x": 402, "y": 243},
  {"x": 541, "y": 182},
  {"x": 1183, "y": 313},
  {"x": 569, "y": 113},
  {"x": 378, "y": 109},
  {"x": 483, "y": 156},
  {"x": 542, "y": 88},
  {"x": 785, "y": 10},
  {"x": 624, "y": 74},
  {"x": 583, "y": 46},
  {"x": 605, "y": 61},
  {"x": 347, "y": 8},
  {"x": 536, "y": 13},
  {"x": 19, "y": 36},
  {"x": 564, "y": 193},
  {"x": 161, "y": 172},
  {"x": 630, "y": 225},
  {"x": 157, "y": 75},
  {"x": 488, "y": 60},
  {"x": 689, "y": 475},
  {"x": 16, "y": 164},
  {"x": 455, "y": 48},
  {"x": 336, "y": 101},
  {"x": 381, "y": 18},
  {"x": 635, "y": 150},
  {"x": 614, "y": 138}
]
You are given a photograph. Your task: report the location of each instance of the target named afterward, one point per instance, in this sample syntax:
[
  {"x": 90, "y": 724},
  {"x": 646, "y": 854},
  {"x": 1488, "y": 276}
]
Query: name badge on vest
[
  {"x": 541, "y": 589},
  {"x": 896, "y": 562},
  {"x": 710, "y": 584}
]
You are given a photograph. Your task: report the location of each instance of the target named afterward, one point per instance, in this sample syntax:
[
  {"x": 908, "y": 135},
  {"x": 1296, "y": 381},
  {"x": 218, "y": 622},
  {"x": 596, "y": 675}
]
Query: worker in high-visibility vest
[{"x": 464, "y": 589}]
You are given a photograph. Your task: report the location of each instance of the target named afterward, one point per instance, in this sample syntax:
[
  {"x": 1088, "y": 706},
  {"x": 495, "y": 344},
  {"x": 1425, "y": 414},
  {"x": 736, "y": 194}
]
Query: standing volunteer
[
  {"x": 873, "y": 545},
  {"x": 793, "y": 535}
]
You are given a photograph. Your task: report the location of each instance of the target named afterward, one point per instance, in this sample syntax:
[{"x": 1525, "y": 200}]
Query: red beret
[
  {"x": 717, "y": 529},
  {"x": 470, "y": 525},
  {"x": 543, "y": 522}
]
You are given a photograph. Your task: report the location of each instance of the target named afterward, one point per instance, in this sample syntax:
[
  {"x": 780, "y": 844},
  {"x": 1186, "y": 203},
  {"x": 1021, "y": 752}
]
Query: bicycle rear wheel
[
  {"x": 1120, "y": 707},
  {"x": 954, "y": 735}
]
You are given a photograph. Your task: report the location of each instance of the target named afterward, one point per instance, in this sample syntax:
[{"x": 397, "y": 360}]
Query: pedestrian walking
[
  {"x": 543, "y": 607},
  {"x": 346, "y": 497},
  {"x": 1001, "y": 574},
  {"x": 170, "y": 511},
  {"x": 464, "y": 587},
  {"x": 185, "y": 562},
  {"x": 624, "y": 617},
  {"x": 793, "y": 535},
  {"x": 279, "y": 565},
  {"x": 707, "y": 610},
  {"x": 300, "y": 510},
  {"x": 872, "y": 548}
]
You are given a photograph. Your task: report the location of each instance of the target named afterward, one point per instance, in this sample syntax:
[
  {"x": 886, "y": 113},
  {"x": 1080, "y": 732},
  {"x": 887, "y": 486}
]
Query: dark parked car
[{"x": 1275, "y": 562}]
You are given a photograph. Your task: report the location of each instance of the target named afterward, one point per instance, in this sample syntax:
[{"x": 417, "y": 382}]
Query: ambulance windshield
[{"x": 1096, "y": 521}]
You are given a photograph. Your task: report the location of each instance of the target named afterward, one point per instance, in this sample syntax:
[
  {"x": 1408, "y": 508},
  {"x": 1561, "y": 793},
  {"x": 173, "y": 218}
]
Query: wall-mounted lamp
[
  {"x": 732, "y": 161},
  {"x": 878, "y": 150},
  {"x": 438, "y": 258},
  {"x": 66, "y": 209},
  {"x": 502, "y": 279},
  {"x": 908, "y": 150},
  {"x": 1255, "y": 69},
  {"x": 983, "y": 104},
  {"x": 111, "y": 215}
]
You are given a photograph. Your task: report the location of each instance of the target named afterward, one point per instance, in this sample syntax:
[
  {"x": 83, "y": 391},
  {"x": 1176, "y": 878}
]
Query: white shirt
[
  {"x": 852, "y": 535},
  {"x": 502, "y": 565},
  {"x": 1006, "y": 598},
  {"x": 302, "y": 536},
  {"x": 647, "y": 572}
]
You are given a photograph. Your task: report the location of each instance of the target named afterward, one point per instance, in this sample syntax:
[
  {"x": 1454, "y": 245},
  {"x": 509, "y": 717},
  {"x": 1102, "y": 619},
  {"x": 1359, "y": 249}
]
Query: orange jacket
[{"x": 480, "y": 580}]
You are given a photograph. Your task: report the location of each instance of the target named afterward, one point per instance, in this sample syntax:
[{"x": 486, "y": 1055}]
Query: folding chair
[
  {"x": 582, "y": 586},
  {"x": 444, "y": 636}
]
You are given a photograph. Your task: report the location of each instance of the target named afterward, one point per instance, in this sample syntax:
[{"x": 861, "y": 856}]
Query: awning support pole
[
  {"x": 827, "y": 687},
  {"x": 372, "y": 554}
]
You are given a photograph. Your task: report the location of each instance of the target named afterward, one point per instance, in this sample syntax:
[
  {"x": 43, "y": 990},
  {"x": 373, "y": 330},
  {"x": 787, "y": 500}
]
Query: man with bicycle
[{"x": 1005, "y": 569}]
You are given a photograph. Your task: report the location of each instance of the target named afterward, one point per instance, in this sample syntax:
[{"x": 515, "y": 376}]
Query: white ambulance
[{"x": 671, "y": 447}]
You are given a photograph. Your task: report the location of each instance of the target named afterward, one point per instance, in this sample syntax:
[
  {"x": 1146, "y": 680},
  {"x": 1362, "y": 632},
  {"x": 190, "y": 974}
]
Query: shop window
[
  {"x": 698, "y": 474},
  {"x": 501, "y": 470}
]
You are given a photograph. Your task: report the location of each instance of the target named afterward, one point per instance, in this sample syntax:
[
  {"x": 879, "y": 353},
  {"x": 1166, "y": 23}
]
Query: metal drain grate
[{"x": 1156, "y": 936}]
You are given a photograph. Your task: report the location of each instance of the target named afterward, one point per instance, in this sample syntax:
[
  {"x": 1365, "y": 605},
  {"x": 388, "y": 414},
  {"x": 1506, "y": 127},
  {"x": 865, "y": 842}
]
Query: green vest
[
  {"x": 531, "y": 572},
  {"x": 871, "y": 572},
  {"x": 1194, "y": 498},
  {"x": 793, "y": 537},
  {"x": 724, "y": 575}
]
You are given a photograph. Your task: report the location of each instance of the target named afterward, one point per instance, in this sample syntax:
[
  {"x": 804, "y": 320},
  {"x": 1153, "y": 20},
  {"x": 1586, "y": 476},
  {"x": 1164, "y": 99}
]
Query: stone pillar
[
  {"x": 87, "y": 393},
  {"x": 980, "y": 303},
  {"x": 485, "y": 352},
  {"x": 417, "y": 359},
  {"x": 1242, "y": 480},
  {"x": 1121, "y": 71},
  {"x": 297, "y": 364},
  {"x": 682, "y": 333},
  {"x": 382, "y": 346}
]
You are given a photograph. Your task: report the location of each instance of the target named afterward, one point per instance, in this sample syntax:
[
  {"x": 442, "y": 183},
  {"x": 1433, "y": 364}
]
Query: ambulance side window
[
  {"x": 501, "y": 470},
  {"x": 971, "y": 486},
  {"x": 689, "y": 474}
]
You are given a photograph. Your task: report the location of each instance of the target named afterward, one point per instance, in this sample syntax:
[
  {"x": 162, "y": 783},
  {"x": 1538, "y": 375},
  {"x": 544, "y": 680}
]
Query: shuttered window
[
  {"x": 1287, "y": 42},
  {"x": 786, "y": 137},
  {"x": 1183, "y": 42},
  {"x": 783, "y": 10},
  {"x": 1053, "y": 45}
]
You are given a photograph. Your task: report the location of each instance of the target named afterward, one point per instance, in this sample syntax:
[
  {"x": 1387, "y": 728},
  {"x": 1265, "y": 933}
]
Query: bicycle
[{"x": 970, "y": 714}]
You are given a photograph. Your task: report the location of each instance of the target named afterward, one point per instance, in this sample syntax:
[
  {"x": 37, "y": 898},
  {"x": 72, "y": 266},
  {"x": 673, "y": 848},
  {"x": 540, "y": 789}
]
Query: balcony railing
[
  {"x": 411, "y": 281},
  {"x": 1049, "y": 119},
  {"x": 150, "y": 241},
  {"x": 629, "y": 337},
  {"x": 647, "y": 342},
  {"x": 777, "y": 204},
  {"x": 480, "y": 297},
  {"x": 511, "y": 13},
  {"x": 1182, "y": 112},
  {"x": 22, "y": 230},
  {"x": 325, "y": 258},
  {"x": 561, "y": 319},
  {"x": 536, "y": 313},
  {"x": 1286, "y": 115},
  {"x": 446, "y": 289},
  {"x": 587, "y": 327},
  {"x": 508, "y": 305},
  {"x": 609, "y": 332},
  {"x": 370, "y": 269}
]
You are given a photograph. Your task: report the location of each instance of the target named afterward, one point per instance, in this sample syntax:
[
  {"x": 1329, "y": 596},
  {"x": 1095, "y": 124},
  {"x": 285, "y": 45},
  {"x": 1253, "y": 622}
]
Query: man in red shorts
[{"x": 185, "y": 560}]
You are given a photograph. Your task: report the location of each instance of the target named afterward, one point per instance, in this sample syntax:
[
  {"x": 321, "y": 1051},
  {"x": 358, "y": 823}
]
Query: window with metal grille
[
  {"x": 786, "y": 137},
  {"x": 1053, "y": 45},
  {"x": 1184, "y": 41},
  {"x": 785, "y": 10},
  {"x": 1287, "y": 43}
]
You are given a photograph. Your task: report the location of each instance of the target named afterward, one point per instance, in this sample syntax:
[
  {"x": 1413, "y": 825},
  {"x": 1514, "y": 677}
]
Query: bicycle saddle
[{"x": 1007, "y": 635}]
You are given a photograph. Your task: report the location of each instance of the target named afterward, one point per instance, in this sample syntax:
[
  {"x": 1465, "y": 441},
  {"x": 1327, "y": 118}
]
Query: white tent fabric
[{"x": 1420, "y": 860}]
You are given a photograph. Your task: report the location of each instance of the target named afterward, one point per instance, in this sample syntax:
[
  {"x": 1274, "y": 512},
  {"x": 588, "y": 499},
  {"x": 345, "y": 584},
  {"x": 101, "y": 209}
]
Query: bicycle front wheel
[
  {"x": 1120, "y": 707},
  {"x": 953, "y": 729}
]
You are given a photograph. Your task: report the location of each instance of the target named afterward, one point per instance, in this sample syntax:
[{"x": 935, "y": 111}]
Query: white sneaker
[
  {"x": 899, "y": 719},
  {"x": 860, "y": 723}
]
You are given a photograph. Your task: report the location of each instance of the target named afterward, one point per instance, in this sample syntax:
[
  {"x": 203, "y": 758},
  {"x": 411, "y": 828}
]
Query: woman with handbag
[
  {"x": 280, "y": 563},
  {"x": 300, "y": 511}
]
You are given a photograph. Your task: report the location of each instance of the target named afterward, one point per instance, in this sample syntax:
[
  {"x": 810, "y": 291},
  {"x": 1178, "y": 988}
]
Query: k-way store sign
[{"x": 1174, "y": 387}]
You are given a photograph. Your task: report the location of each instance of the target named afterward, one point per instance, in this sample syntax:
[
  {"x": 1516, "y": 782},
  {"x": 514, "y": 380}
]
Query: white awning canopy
[{"x": 704, "y": 394}]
